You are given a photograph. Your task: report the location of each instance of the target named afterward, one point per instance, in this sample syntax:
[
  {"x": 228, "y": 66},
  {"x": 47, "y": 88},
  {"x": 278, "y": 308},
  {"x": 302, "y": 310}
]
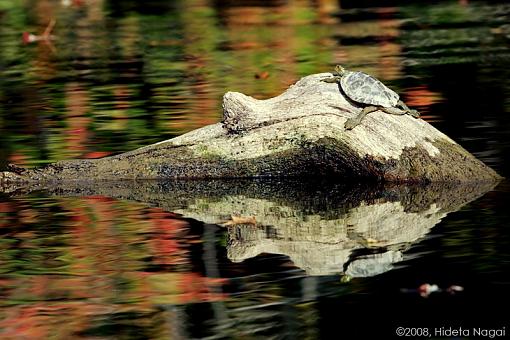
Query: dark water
[{"x": 246, "y": 259}]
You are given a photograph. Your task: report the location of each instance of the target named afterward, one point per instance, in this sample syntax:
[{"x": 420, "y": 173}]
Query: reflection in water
[
  {"x": 320, "y": 227},
  {"x": 87, "y": 265},
  {"x": 328, "y": 246},
  {"x": 95, "y": 263},
  {"x": 321, "y": 238}
]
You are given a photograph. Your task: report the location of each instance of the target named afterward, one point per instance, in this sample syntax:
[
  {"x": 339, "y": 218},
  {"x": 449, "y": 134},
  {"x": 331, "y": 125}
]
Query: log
[{"x": 298, "y": 133}]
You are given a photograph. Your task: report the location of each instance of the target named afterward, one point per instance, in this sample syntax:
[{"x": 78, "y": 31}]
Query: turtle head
[{"x": 340, "y": 70}]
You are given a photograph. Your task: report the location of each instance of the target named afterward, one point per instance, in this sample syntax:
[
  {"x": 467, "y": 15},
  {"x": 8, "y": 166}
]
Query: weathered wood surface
[{"x": 299, "y": 133}]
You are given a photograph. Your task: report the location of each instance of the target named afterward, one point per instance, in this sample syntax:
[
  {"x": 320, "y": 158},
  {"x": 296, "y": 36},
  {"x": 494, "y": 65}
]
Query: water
[{"x": 311, "y": 259}]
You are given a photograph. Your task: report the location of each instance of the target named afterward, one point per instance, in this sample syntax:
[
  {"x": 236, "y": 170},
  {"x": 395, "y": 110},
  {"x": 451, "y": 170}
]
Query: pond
[{"x": 247, "y": 258}]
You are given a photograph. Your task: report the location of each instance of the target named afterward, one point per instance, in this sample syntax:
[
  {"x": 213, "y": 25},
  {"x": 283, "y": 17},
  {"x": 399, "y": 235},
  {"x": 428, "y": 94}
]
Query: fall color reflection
[{"x": 68, "y": 264}]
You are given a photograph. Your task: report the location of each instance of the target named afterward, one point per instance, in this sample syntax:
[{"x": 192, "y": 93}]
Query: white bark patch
[{"x": 431, "y": 149}]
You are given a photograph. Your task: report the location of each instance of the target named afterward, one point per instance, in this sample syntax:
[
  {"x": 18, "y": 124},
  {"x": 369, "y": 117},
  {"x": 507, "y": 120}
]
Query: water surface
[{"x": 245, "y": 259}]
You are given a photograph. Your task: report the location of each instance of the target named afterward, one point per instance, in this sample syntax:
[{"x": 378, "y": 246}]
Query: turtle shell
[{"x": 365, "y": 89}]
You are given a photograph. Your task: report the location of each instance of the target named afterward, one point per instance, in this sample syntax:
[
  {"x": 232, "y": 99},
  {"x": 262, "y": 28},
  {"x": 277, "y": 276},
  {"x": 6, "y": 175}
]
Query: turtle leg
[
  {"x": 351, "y": 123},
  {"x": 407, "y": 110},
  {"x": 393, "y": 111}
]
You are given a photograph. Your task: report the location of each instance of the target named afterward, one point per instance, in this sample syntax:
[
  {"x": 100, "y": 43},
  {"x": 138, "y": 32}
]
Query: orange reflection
[
  {"x": 77, "y": 133},
  {"x": 421, "y": 96}
]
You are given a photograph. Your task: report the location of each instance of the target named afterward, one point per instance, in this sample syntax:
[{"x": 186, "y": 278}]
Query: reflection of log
[
  {"x": 323, "y": 246},
  {"x": 300, "y": 132},
  {"x": 323, "y": 227}
]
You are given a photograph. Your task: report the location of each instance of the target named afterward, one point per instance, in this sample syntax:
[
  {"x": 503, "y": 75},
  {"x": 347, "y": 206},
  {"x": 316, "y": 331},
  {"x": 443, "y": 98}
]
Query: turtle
[{"x": 368, "y": 91}]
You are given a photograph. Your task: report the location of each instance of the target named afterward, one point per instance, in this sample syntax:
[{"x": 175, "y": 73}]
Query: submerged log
[{"x": 299, "y": 133}]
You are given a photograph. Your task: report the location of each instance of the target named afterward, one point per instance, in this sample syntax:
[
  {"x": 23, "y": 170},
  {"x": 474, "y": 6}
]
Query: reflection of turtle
[{"x": 374, "y": 95}]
